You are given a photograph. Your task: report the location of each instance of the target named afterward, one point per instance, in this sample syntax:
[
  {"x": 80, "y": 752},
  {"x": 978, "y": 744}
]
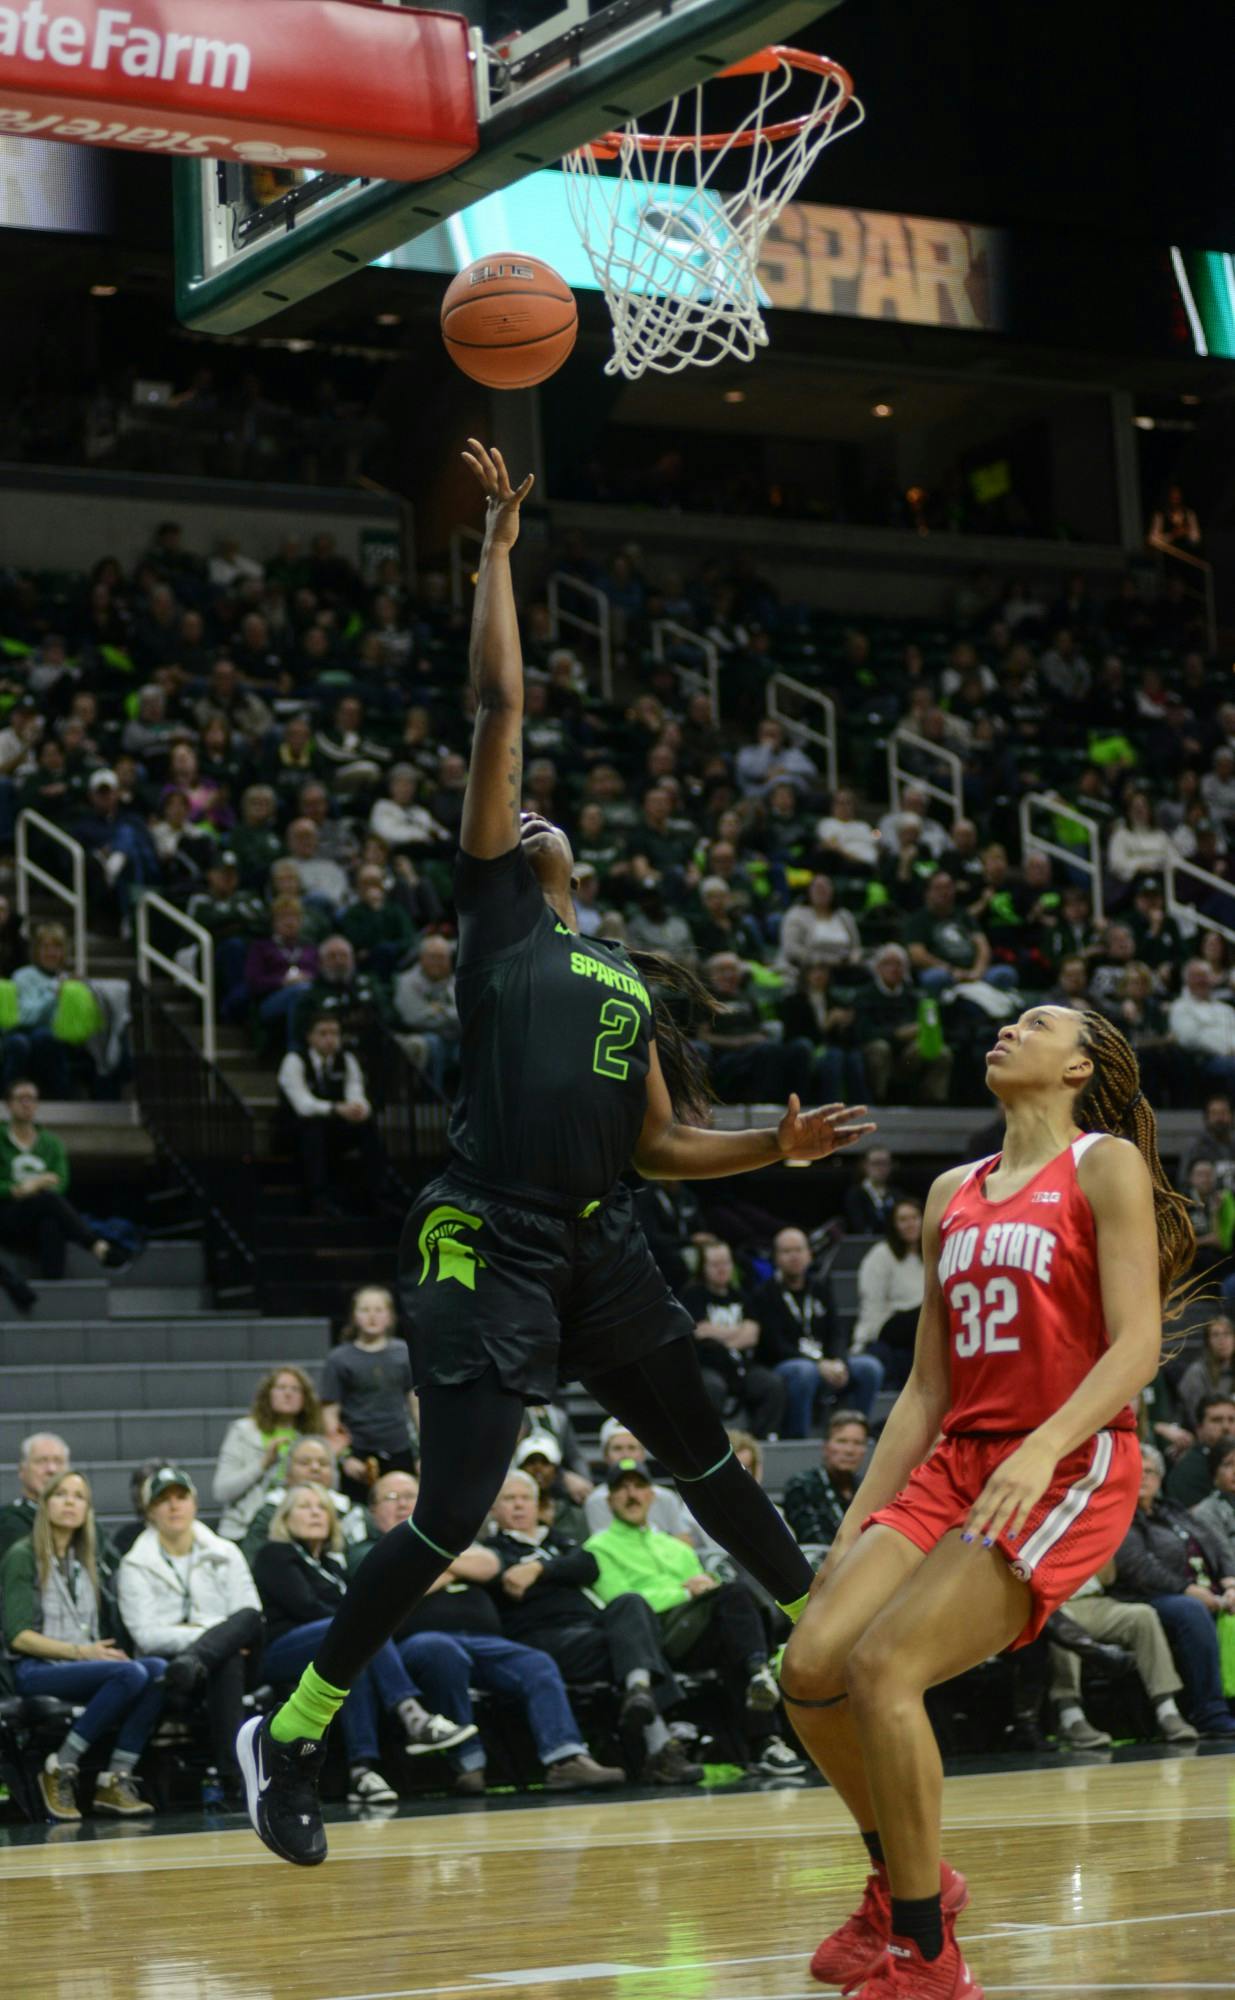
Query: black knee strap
[{"x": 795, "y": 1701}]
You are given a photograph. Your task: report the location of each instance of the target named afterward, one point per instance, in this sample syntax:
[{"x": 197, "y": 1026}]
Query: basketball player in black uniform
[{"x": 523, "y": 1265}]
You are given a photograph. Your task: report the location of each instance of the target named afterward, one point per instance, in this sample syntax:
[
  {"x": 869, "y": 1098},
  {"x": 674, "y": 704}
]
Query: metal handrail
[
  {"x": 952, "y": 794},
  {"x": 148, "y": 956},
  {"x": 599, "y": 628},
  {"x": 1179, "y": 865},
  {"x": 694, "y": 682},
  {"x": 824, "y": 738},
  {"x": 28, "y": 870},
  {"x": 461, "y": 564},
  {"x": 1059, "y": 809},
  {"x": 1206, "y": 589}
]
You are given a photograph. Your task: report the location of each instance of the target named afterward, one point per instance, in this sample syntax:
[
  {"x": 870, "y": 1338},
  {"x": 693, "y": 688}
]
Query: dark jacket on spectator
[
  {"x": 1153, "y": 1559},
  {"x": 295, "y": 1589},
  {"x": 267, "y": 964},
  {"x": 814, "y": 1507},
  {"x": 862, "y": 1217},
  {"x": 557, "y": 1596},
  {"x": 794, "y": 1323}
]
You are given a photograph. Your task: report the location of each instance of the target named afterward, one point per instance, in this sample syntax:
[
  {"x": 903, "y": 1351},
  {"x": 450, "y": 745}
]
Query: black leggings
[{"x": 467, "y": 1438}]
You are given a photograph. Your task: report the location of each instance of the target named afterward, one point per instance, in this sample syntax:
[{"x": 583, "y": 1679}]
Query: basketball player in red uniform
[{"x": 1006, "y": 1475}]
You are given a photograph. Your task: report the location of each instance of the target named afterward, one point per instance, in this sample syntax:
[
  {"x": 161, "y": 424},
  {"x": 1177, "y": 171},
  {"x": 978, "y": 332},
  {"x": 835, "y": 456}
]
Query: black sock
[
  {"x": 920, "y": 1919},
  {"x": 874, "y": 1847}
]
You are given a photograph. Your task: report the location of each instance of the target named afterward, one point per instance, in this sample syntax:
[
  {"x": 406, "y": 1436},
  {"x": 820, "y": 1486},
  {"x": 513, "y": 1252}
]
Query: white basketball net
[{"x": 675, "y": 256}]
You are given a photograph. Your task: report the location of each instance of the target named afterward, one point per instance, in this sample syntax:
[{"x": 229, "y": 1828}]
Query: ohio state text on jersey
[{"x": 1020, "y": 1280}]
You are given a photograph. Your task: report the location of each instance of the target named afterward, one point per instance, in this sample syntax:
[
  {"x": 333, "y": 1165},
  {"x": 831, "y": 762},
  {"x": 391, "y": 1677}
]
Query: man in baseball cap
[{"x": 669, "y": 1511}]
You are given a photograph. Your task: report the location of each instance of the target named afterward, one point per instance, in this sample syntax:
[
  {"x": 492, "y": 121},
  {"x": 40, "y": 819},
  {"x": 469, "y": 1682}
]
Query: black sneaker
[{"x": 280, "y": 1788}]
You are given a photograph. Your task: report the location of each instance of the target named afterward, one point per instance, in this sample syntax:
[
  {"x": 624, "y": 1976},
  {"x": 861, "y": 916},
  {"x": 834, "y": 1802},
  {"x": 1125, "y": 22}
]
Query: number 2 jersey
[
  {"x": 556, "y": 1038},
  {"x": 1024, "y": 1302}
]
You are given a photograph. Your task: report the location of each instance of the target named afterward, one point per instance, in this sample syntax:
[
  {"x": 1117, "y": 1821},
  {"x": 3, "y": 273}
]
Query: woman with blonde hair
[
  {"x": 54, "y": 1618},
  {"x": 302, "y": 1578},
  {"x": 253, "y": 1455}
]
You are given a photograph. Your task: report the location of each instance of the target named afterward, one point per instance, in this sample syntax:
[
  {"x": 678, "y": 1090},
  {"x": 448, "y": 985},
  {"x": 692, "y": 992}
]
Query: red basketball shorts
[{"x": 1073, "y": 1530}]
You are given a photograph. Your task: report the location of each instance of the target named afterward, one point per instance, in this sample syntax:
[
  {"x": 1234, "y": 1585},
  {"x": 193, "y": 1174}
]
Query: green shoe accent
[
  {"x": 309, "y": 1711},
  {"x": 794, "y": 1610}
]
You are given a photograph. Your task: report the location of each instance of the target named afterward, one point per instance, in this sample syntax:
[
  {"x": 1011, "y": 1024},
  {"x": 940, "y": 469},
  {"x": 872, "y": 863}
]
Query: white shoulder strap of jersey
[
  {"x": 1087, "y": 1139},
  {"x": 974, "y": 1170}
]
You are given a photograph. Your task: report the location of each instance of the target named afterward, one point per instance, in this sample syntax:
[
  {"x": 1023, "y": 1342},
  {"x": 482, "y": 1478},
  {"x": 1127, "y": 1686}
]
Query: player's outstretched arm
[
  {"x": 495, "y": 779},
  {"x": 670, "y": 1151}
]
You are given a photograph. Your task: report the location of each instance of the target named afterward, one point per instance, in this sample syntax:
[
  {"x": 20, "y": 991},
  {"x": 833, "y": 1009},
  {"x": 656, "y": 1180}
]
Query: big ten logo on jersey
[{"x": 985, "y": 1312}]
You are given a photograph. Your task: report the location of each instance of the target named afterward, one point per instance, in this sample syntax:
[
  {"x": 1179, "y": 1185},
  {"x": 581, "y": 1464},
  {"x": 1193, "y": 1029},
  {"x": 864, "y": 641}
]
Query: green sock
[
  {"x": 309, "y": 1711},
  {"x": 794, "y": 1610}
]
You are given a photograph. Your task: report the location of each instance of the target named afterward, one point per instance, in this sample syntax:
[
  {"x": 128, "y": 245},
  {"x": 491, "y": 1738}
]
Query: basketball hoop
[{"x": 675, "y": 256}]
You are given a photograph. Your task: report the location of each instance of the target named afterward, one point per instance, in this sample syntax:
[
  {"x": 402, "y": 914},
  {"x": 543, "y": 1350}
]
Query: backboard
[{"x": 548, "y": 74}]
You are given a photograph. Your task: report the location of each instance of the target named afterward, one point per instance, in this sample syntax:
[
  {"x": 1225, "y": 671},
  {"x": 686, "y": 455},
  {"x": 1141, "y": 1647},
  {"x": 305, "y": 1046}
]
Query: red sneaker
[
  {"x": 903, "y": 1974},
  {"x": 853, "y": 1952}
]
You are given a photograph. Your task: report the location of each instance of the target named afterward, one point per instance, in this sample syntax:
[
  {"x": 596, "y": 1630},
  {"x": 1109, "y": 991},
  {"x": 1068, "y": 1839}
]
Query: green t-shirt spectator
[
  {"x": 366, "y": 929},
  {"x": 45, "y": 1155},
  {"x": 242, "y": 914},
  {"x": 256, "y": 849}
]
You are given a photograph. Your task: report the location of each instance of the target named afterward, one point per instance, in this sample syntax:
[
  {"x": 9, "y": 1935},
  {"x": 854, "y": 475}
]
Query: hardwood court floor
[{"x": 1086, "y": 1879}]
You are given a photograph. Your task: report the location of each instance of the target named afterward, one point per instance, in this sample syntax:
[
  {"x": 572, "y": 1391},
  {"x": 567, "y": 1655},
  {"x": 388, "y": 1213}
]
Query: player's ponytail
[
  {"x": 686, "y": 1078},
  {"x": 1113, "y": 1101}
]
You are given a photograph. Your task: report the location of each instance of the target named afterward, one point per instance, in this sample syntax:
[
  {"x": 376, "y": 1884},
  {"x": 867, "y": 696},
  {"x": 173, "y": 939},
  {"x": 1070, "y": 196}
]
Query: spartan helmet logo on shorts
[{"x": 456, "y": 1258}]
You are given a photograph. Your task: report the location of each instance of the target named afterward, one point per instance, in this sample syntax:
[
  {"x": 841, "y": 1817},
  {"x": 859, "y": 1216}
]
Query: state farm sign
[{"x": 340, "y": 84}]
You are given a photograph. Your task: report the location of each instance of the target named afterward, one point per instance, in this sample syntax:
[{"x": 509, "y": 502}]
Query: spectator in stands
[
  {"x": 869, "y": 1202},
  {"x": 357, "y": 1000},
  {"x": 669, "y": 1511},
  {"x": 728, "y": 1337},
  {"x": 425, "y": 1005},
  {"x": 1136, "y": 1627},
  {"x": 891, "y": 1280},
  {"x": 233, "y": 916},
  {"x": 253, "y": 1454},
  {"x": 117, "y": 840},
  {"x": 817, "y": 931},
  {"x": 721, "y": 926},
  {"x": 401, "y": 822},
  {"x": 747, "y": 1065},
  {"x": 811, "y": 1014},
  {"x": 540, "y": 1455},
  {"x": 310, "y": 1462},
  {"x": 368, "y": 1406},
  {"x": 772, "y": 758},
  {"x": 849, "y": 843},
  {"x": 34, "y": 1178},
  {"x": 123, "y": 1537},
  {"x": 32, "y": 1048},
  {"x": 702, "y": 1623},
  {"x": 302, "y": 1576},
  {"x": 226, "y": 698},
  {"x": 815, "y": 1502},
  {"x": 186, "y": 1595},
  {"x": 889, "y": 1036},
  {"x": 1169, "y": 1560},
  {"x": 915, "y": 808},
  {"x": 945, "y": 945},
  {"x": 1188, "y": 1480},
  {"x": 453, "y": 1642},
  {"x": 1204, "y": 1027},
  {"x": 1205, "y": 1202},
  {"x": 544, "y": 1598},
  {"x": 279, "y": 969},
  {"x": 1216, "y": 1511},
  {"x": 56, "y": 1621},
  {"x": 322, "y": 883},
  {"x": 325, "y": 1095},
  {"x": 255, "y": 842},
  {"x": 1136, "y": 846},
  {"x": 44, "y": 1457},
  {"x": 376, "y": 926},
  {"x": 1215, "y": 1141},
  {"x": 353, "y": 762},
  {"x": 1173, "y": 524},
  {"x": 799, "y": 1341}
]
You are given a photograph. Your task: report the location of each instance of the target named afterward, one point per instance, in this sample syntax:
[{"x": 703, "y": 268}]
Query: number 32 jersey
[
  {"x": 1024, "y": 1303},
  {"x": 556, "y": 1034}
]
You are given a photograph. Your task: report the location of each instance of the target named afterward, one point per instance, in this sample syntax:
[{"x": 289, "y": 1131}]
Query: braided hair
[
  {"x": 686, "y": 1078},
  {"x": 1112, "y": 1101}
]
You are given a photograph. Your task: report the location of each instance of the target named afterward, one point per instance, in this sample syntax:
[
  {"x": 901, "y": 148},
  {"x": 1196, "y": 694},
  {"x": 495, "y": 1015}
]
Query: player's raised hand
[
  {"x": 503, "y": 500},
  {"x": 812, "y": 1135}
]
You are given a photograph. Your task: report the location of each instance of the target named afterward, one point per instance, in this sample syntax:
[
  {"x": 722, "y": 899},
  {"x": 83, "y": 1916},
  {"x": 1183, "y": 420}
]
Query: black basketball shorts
[{"x": 543, "y": 1297}]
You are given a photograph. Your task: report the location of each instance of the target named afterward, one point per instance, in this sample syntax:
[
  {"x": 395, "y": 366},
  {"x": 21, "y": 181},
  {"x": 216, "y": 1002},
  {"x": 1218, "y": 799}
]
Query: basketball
[{"x": 509, "y": 321}]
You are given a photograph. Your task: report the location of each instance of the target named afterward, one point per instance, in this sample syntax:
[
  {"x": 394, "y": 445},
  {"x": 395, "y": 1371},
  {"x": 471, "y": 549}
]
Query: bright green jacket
[{"x": 645, "y": 1560}]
